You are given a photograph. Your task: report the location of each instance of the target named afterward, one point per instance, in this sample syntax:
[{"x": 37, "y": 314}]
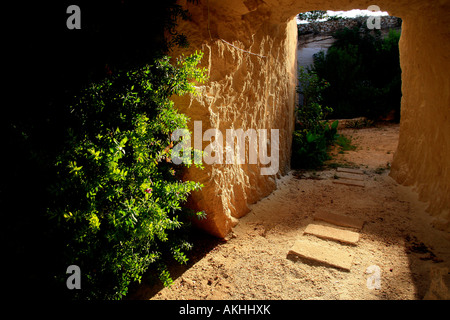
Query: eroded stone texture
[
  {"x": 248, "y": 91},
  {"x": 423, "y": 155},
  {"x": 258, "y": 91}
]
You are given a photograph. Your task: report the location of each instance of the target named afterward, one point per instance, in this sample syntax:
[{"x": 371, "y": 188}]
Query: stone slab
[
  {"x": 322, "y": 253},
  {"x": 351, "y": 183},
  {"x": 332, "y": 233},
  {"x": 339, "y": 220},
  {"x": 349, "y": 170},
  {"x": 349, "y": 176}
]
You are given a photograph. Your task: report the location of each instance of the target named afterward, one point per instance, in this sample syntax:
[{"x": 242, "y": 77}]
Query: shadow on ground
[{"x": 151, "y": 285}]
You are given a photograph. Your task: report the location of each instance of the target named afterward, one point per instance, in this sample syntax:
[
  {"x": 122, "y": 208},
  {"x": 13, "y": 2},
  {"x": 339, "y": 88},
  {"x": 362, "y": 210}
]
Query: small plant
[
  {"x": 344, "y": 143},
  {"x": 310, "y": 146},
  {"x": 312, "y": 136},
  {"x": 311, "y": 87}
]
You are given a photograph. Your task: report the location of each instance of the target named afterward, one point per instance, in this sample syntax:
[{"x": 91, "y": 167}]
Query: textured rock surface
[
  {"x": 245, "y": 91},
  {"x": 257, "y": 91},
  {"x": 423, "y": 155}
]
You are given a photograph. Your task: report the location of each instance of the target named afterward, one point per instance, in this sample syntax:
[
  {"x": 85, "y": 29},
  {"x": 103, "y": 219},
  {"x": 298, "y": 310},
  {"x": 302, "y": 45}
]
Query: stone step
[
  {"x": 340, "y": 220},
  {"x": 351, "y": 183},
  {"x": 332, "y": 233},
  {"x": 349, "y": 176},
  {"x": 349, "y": 170},
  {"x": 322, "y": 253}
]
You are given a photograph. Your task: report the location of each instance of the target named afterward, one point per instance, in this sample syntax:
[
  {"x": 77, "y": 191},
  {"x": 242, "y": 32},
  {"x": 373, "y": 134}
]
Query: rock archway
[{"x": 250, "y": 51}]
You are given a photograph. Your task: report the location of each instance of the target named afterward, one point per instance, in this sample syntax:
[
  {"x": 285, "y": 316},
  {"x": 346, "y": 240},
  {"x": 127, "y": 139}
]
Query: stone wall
[
  {"x": 250, "y": 51},
  {"x": 386, "y": 22},
  {"x": 422, "y": 159},
  {"x": 252, "y": 80}
]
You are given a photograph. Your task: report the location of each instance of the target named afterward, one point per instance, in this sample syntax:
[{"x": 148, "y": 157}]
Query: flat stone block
[
  {"x": 351, "y": 183},
  {"x": 349, "y": 170},
  {"x": 331, "y": 233},
  {"x": 322, "y": 253},
  {"x": 340, "y": 220},
  {"x": 349, "y": 176}
]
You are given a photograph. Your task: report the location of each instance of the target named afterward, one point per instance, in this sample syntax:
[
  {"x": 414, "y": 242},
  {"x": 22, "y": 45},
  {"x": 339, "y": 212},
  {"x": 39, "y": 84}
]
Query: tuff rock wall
[
  {"x": 422, "y": 159},
  {"x": 250, "y": 50}
]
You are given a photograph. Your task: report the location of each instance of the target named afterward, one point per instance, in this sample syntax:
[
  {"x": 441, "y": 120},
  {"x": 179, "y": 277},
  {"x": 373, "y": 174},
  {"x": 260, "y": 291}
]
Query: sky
[{"x": 351, "y": 14}]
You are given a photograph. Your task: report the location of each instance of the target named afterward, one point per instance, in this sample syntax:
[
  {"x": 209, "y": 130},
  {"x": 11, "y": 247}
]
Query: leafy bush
[
  {"x": 115, "y": 36},
  {"x": 310, "y": 148},
  {"x": 365, "y": 73},
  {"x": 312, "y": 136},
  {"x": 311, "y": 88},
  {"x": 118, "y": 198}
]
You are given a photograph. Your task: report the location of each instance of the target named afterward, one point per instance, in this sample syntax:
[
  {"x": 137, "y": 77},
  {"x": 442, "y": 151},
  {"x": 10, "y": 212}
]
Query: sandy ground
[{"x": 253, "y": 262}]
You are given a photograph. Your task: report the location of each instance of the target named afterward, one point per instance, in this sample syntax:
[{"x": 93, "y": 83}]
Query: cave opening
[{"x": 362, "y": 70}]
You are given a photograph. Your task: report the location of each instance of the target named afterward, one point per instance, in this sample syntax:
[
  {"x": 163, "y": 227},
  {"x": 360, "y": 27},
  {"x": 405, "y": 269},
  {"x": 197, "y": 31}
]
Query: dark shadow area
[
  {"x": 151, "y": 285},
  {"x": 46, "y": 66}
]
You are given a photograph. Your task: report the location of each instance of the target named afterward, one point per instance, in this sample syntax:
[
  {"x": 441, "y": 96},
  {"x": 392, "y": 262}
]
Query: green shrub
[
  {"x": 312, "y": 136},
  {"x": 364, "y": 70},
  {"x": 119, "y": 198},
  {"x": 311, "y": 88},
  {"x": 310, "y": 148}
]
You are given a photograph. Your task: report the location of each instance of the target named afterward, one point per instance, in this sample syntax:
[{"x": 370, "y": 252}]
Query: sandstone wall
[
  {"x": 423, "y": 155},
  {"x": 246, "y": 90},
  {"x": 255, "y": 89}
]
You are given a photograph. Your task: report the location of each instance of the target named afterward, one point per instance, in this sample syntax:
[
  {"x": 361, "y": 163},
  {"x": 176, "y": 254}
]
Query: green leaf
[{"x": 335, "y": 124}]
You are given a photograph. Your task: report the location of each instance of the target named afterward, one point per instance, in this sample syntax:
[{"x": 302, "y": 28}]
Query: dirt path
[{"x": 254, "y": 263}]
